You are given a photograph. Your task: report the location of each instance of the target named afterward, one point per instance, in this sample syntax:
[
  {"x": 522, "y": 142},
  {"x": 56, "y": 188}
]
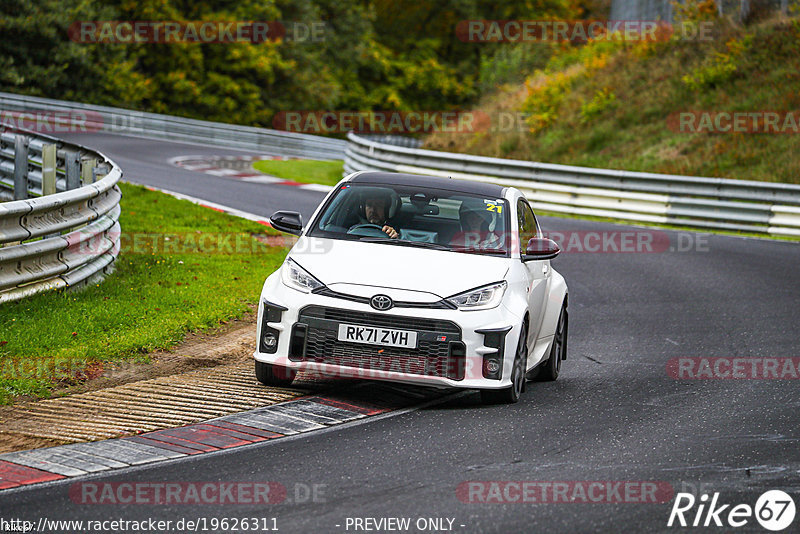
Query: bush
[
  {"x": 717, "y": 68},
  {"x": 603, "y": 100}
]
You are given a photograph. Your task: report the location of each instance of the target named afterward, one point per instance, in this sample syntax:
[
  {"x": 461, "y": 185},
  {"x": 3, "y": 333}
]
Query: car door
[{"x": 538, "y": 272}]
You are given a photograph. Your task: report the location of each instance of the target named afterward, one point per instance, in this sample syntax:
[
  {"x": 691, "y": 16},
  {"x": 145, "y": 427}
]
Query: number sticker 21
[{"x": 495, "y": 208}]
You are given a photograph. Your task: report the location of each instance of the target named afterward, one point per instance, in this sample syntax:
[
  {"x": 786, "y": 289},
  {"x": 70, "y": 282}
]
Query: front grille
[
  {"x": 379, "y": 319},
  {"x": 432, "y": 357}
]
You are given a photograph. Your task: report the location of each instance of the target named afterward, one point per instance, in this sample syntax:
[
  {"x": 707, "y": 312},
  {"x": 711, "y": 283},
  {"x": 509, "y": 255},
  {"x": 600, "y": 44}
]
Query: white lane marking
[
  {"x": 262, "y": 179},
  {"x": 223, "y": 172}
]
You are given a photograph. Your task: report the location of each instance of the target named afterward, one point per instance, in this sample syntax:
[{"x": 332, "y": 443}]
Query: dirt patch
[
  {"x": 18, "y": 442},
  {"x": 231, "y": 343}
]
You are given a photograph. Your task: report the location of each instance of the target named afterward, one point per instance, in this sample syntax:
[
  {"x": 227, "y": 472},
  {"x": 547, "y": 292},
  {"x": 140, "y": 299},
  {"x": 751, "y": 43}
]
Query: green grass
[
  {"x": 153, "y": 298},
  {"x": 307, "y": 171},
  {"x": 619, "y": 107}
]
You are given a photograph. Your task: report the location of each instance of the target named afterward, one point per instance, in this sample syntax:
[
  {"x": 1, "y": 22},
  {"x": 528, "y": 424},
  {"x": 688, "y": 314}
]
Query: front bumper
[{"x": 453, "y": 346}]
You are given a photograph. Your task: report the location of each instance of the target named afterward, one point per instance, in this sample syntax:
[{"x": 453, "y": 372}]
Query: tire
[
  {"x": 274, "y": 375},
  {"x": 550, "y": 370},
  {"x": 511, "y": 394}
]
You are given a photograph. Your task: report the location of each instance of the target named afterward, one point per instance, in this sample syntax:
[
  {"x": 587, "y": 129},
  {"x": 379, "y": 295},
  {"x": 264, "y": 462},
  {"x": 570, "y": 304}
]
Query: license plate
[{"x": 387, "y": 337}]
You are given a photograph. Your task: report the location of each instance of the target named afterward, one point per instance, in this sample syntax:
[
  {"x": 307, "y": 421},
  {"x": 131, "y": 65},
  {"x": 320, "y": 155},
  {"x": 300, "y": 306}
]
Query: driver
[{"x": 376, "y": 209}]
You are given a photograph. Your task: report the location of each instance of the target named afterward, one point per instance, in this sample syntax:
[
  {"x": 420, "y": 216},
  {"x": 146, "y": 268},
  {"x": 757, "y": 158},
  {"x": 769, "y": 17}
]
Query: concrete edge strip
[{"x": 294, "y": 417}]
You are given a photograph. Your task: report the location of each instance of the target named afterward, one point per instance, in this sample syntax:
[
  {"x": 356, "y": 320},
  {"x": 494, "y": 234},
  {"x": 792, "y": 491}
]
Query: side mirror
[
  {"x": 290, "y": 222},
  {"x": 541, "y": 248}
]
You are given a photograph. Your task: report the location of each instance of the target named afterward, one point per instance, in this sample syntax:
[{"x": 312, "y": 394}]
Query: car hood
[{"x": 348, "y": 265}]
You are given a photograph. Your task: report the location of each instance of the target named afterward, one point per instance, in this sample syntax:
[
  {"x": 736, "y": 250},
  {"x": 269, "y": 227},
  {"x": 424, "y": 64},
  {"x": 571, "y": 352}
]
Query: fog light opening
[
  {"x": 270, "y": 341},
  {"x": 492, "y": 366},
  {"x": 494, "y": 338}
]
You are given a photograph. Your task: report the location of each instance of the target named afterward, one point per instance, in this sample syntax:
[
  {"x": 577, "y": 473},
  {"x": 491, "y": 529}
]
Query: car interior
[{"x": 423, "y": 216}]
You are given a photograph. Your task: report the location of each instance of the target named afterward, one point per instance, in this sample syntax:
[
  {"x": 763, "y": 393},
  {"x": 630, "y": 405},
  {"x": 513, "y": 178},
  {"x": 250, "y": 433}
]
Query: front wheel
[
  {"x": 512, "y": 393},
  {"x": 550, "y": 370},
  {"x": 274, "y": 375}
]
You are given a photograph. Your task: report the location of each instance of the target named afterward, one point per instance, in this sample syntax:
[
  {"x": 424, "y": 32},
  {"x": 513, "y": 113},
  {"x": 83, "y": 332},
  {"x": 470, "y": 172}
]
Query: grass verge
[
  {"x": 307, "y": 171},
  {"x": 182, "y": 268}
]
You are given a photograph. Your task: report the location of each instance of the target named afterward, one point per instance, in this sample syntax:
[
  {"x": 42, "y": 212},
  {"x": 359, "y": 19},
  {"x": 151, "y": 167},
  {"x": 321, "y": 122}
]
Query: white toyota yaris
[{"x": 416, "y": 279}]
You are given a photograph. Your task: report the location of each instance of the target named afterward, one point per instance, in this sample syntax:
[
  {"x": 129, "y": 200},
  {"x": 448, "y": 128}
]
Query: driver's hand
[{"x": 391, "y": 232}]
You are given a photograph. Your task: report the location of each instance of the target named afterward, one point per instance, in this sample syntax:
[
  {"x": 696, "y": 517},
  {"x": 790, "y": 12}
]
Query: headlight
[
  {"x": 296, "y": 277},
  {"x": 482, "y": 298}
]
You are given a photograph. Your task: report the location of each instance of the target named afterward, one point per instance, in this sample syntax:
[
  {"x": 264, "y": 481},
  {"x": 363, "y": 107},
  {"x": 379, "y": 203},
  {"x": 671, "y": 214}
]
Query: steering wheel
[{"x": 367, "y": 230}]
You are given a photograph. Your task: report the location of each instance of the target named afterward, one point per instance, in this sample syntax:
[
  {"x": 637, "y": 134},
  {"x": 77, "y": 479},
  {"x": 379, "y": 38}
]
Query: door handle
[{"x": 545, "y": 269}]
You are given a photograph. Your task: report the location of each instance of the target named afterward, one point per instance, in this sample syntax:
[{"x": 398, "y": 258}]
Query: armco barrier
[
  {"x": 73, "y": 116},
  {"x": 716, "y": 203},
  {"x": 69, "y": 234}
]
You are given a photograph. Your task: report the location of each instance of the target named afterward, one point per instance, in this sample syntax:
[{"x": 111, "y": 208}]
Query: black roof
[{"x": 433, "y": 182}]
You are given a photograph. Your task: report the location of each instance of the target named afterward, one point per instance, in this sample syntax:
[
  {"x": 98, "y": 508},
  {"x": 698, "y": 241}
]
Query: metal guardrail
[
  {"x": 62, "y": 228},
  {"x": 714, "y": 203},
  {"x": 77, "y": 117}
]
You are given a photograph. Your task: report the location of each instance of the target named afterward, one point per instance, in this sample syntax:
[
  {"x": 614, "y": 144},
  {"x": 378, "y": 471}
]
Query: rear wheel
[
  {"x": 274, "y": 375},
  {"x": 511, "y": 394},
  {"x": 550, "y": 370}
]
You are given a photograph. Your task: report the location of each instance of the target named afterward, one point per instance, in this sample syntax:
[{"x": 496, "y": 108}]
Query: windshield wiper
[{"x": 403, "y": 242}]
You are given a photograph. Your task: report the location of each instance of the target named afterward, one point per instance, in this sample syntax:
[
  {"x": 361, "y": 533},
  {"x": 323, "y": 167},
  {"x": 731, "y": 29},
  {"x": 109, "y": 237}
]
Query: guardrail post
[
  {"x": 20, "y": 168},
  {"x": 100, "y": 171},
  {"x": 87, "y": 170},
  {"x": 72, "y": 164},
  {"x": 48, "y": 169}
]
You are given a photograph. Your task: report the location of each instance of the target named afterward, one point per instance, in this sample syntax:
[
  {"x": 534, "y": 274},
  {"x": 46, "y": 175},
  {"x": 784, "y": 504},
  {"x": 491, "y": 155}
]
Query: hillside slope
[{"x": 618, "y": 105}]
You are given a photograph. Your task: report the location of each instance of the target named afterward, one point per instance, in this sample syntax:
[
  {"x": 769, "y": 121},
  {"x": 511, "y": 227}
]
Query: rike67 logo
[{"x": 774, "y": 510}]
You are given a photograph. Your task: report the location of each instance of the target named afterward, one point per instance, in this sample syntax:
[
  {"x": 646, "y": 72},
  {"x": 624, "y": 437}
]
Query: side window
[{"x": 527, "y": 223}]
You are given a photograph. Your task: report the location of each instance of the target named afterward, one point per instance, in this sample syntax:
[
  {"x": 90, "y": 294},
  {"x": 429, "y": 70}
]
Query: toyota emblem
[{"x": 381, "y": 302}]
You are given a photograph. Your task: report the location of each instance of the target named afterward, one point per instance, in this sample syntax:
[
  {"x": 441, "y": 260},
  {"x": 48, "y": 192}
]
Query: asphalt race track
[
  {"x": 616, "y": 413},
  {"x": 144, "y": 161}
]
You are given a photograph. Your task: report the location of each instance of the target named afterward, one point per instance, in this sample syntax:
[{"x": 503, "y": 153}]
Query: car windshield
[{"x": 416, "y": 217}]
